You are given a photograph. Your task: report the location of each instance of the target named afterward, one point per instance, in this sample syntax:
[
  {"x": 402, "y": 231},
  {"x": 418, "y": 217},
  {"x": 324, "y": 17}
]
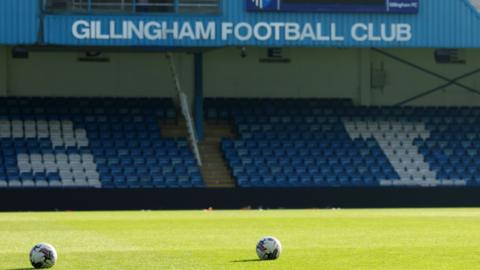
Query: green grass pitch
[{"x": 419, "y": 239}]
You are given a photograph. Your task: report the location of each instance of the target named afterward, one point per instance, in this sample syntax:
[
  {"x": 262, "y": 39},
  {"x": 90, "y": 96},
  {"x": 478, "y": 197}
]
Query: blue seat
[
  {"x": 184, "y": 181},
  {"x": 171, "y": 181},
  {"x": 39, "y": 177},
  {"x": 255, "y": 179},
  {"x": 306, "y": 180},
  {"x": 268, "y": 180},
  {"x": 158, "y": 179},
  {"x": 119, "y": 178},
  {"x": 293, "y": 180},
  {"x": 243, "y": 181},
  {"x": 196, "y": 180}
]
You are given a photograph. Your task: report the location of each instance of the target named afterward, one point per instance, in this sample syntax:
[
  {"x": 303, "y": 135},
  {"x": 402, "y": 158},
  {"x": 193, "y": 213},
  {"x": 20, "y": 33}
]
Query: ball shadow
[{"x": 247, "y": 261}]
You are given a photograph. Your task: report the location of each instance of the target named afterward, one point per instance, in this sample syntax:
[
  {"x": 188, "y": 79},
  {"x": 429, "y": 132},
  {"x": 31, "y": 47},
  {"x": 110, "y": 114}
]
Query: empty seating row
[
  {"x": 92, "y": 142},
  {"x": 304, "y": 181},
  {"x": 347, "y": 144}
]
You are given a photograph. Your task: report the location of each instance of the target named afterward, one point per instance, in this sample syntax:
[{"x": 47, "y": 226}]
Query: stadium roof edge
[{"x": 437, "y": 24}]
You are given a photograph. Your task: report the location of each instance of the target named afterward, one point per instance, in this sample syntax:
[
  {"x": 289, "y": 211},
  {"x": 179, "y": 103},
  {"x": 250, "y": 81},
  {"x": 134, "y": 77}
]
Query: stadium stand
[
  {"x": 331, "y": 142},
  {"x": 92, "y": 142}
]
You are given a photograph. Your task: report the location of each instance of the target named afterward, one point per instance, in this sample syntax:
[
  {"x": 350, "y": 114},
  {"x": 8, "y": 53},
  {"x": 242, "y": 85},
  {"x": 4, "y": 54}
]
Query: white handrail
[{"x": 183, "y": 99}]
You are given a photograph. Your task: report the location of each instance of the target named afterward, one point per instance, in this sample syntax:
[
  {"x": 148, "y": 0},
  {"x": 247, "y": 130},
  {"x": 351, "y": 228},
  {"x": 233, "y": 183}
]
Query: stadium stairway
[{"x": 215, "y": 170}]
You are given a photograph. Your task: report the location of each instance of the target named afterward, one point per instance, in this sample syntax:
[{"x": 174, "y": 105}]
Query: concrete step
[
  {"x": 214, "y": 166},
  {"x": 212, "y": 155},
  {"x": 219, "y": 185},
  {"x": 212, "y": 152},
  {"x": 215, "y": 170},
  {"x": 218, "y": 180},
  {"x": 209, "y": 151},
  {"x": 214, "y": 174},
  {"x": 214, "y": 177},
  {"x": 217, "y": 173},
  {"x": 212, "y": 158},
  {"x": 213, "y": 162}
]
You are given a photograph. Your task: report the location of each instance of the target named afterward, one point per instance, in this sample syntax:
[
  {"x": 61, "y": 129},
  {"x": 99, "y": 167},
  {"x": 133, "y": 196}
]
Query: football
[
  {"x": 43, "y": 256},
  {"x": 269, "y": 248}
]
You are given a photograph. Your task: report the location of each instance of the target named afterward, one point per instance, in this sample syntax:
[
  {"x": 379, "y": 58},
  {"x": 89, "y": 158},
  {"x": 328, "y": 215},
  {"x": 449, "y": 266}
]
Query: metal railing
[
  {"x": 184, "y": 105},
  {"x": 132, "y": 6}
]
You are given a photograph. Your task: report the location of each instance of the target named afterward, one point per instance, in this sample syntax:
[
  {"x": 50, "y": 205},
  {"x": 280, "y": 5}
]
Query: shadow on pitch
[{"x": 247, "y": 261}]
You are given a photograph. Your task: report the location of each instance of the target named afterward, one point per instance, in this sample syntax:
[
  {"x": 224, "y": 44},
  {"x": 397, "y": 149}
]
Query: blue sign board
[
  {"x": 438, "y": 24},
  {"x": 19, "y": 22},
  {"x": 335, "y": 6}
]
